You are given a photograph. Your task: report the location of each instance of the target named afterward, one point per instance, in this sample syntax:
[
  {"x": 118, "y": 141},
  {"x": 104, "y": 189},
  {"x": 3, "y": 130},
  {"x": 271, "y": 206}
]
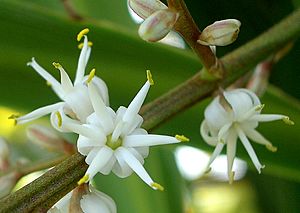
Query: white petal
[
  {"x": 91, "y": 203},
  {"x": 100, "y": 160},
  {"x": 215, "y": 154},
  {"x": 144, "y": 151},
  {"x": 108, "y": 200},
  {"x": 267, "y": 117},
  {"x": 256, "y": 136},
  {"x": 42, "y": 72},
  {"x": 249, "y": 149},
  {"x": 64, "y": 118},
  {"x": 231, "y": 150},
  {"x": 66, "y": 82},
  {"x": 223, "y": 132},
  {"x": 137, "y": 155},
  {"x": 121, "y": 168},
  {"x": 39, "y": 112},
  {"x": 91, "y": 155},
  {"x": 100, "y": 109},
  {"x": 139, "y": 131},
  {"x": 101, "y": 88},
  {"x": 136, "y": 122},
  {"x": 204, "y": 131},
  {"x": 88, "y": 131},
  {"x": 136, "y": 103},
  {"x": 134, "y": 164},
  {"x": 148, "y": 140},
  {"x": 82, "y": 108},
  {"x": 82, "y": 61},
  {"x": 84, "y": 144},
  {"x": 108, "y": 167}
]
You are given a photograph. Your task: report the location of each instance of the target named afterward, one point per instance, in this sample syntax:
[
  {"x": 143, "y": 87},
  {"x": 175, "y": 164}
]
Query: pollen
[
  {"x": 59, "y": 119},
  {"x": 149, "y": 77},
  {"x": 80, "y": 46},
  {"x": 91, "y": 76},
  {"x": 157, "y": 186},
  {"x": 182, "y": 138},
  {"x": 271, "y": 148},
  {"x": 14, "y": 117},
  {"x": 82, "y": 33},
  {"x": 83, "y": 179}
]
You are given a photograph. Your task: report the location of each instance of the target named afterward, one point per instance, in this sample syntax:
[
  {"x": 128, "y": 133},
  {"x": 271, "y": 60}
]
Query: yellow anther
[
  {"x": 271, "y": 148},
  {"x": 231, "y": 177},
  {"x": 182, "y": 138},
  {"x": 91, "y": 76},
  {"x": 59, "y": 119},
  {"x": 83, "y": 179},
  {"x": 149, "y": 77},
  {"x": 14, "y": 117},
  {"x": 157, "y": 186},
  {"x": 288, "y": 121},
  {"x": 56, "y": 65},
  {"x": 259, "y": 107},
  {"x": 80, "y": 46},
  {"x": 82, "y": 33}
]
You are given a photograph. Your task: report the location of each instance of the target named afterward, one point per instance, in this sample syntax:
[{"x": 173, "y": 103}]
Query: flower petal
[
  {"x": 249, "y": 149},
  {"x": 39, "y": 112},
  {"x": 231, "y": 150},
  {"x": 82, "y": 61},
  {"x": 88, "y": 131},
  {"x": 267, "y": 117},
  {"x": 148, "y": 140},
  {"x": 204, "y": 131},
  {"x": 100, "y": 160},
  {"x": 215, "y": 154},
  {"x": 85, "y": 145},
  {"x": 137, "y": 167}
]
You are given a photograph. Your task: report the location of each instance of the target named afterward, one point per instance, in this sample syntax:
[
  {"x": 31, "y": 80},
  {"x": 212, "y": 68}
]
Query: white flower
[
  {"x": 115, "y": 141},
  {"x": 90, "y": 200},
  {"x": 4, "y": 152},
  {"x": 232, "y": 115},
  {"x": 75, "y": 102}
]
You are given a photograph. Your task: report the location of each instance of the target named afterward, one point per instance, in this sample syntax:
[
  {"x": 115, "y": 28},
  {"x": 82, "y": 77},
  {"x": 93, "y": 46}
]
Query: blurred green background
[{"x": 44, "y": 29}]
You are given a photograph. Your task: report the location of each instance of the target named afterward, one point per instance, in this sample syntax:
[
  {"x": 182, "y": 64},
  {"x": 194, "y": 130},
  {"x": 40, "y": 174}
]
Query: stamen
[
  {"x": 14, "y": 117},
  {"x": 149, "y": 77},
  {"x": 157, "y": 186},
  {"x": 231, "y": 177},
  {"x": 91, "y": 76},
  {"x": 59, "y": 119},
  {"x": 271, "y": 148},
  {"x": 56, "y": 65},
  {"x": 83, "y": 179},
  {"x": 182, "y": 138},
  {"x": 287, "y": 121},
  {"x": 80, "y": 46},
  {"x": 82, "y": 33}
]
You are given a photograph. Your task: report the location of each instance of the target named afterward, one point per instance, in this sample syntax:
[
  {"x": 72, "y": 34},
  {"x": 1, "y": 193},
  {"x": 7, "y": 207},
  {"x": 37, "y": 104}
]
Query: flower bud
[
  {"x": 4, "y": 151},
  {"x": 7, "y": 183},
  {"x": 220, "y": 33},
  {"x": 144, "y": 8},
  {"x": 49, "y": 139},
  {"x": 158, "y": 25}
]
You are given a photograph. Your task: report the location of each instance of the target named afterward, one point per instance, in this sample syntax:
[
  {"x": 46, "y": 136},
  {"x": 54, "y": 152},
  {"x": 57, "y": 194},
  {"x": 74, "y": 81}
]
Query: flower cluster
[{"x": 232, "y": 115}]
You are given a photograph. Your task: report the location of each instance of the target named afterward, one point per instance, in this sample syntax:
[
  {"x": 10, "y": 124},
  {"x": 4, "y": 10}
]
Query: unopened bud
[
  {"x": 7, "y": 183},
  {"x": 145, "y": 8},
  {"x": 49, "y": 139},
  {"x": 158, "y": 25},
  {"x": 220, "y": 33},
  {"x": 4, "y": 152}
]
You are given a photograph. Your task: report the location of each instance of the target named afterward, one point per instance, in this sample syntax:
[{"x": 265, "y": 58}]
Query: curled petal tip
[
  {"x": 149, "y": 77},
  {"x": 91, "y": 76},
  {"x": 157, "y": 186},
  {"x": 82, "y": 33},
  {"x": 83, "y": 180},
  {"x": 288, "y": 121},
  {"x": 271, "y": 148},
  {"x": 182, "y": 138}
]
